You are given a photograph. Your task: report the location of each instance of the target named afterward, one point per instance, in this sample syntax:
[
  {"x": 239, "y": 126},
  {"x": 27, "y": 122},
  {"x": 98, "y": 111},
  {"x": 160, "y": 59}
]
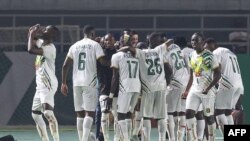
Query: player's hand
[
  {"x": 64, "y": 89},
  {"x": 205, "y": 91},
  {"x": 184, "y": 95},
  {"x": 109, "y": 103},
  {"x": 34, "y": 29}
]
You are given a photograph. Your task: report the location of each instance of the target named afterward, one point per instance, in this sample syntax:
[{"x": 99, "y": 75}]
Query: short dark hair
[
  {"x": 126, "y": 29},
  {"x": 141, "y": 45},
  {"x": 54, "y": 28},
  {"x": 87, "y": 29},
  {"x": 210, "y": 41},
  {"x": 56, "y": 31},
  {"x": 154, "y": 35},
  {"x": 163, "y": 35},
  {"x": 199, "y": 34},
  {"x": 133, "y": 32},
  {"x": 180, "y": 41}
]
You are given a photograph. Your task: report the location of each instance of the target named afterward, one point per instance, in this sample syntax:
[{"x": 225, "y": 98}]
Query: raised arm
[{"x": 32, "y": 48}]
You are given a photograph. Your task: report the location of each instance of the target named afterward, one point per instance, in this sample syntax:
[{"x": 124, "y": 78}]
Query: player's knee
[
  {"x": 90, "y": 114},
  {"x": 138, "y": 117},
  {"x": 146, "y": 118},
  {"x": 80, "y": 114},
  {"x": 175, "y": 113},
  {"x": 210, "y": 120},
  {"x": 105, "y": 117},
  {"x": 182, "y": 114},
  {"x": 114, "y": 113},
  {"x": 36, "y": 114},
  {"x": 190, "y": 114},
  {"x": 161, "y": 125},
  {"x": 129, "y": 115},
  {"x": 228, "y": 112},
  {"x": 170, "y": 113},
  {"x": 199, "y": 115},
  {"x": 49, "y": 115},
  {"x": 122, "y": 116}
]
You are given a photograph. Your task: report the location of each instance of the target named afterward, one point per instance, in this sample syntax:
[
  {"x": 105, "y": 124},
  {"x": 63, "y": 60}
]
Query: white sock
[
  {"x": 167, "y": 126},
  {"x": 230, "y": 120},
  {"x": 200, "y": 129},
  {"x": 41, "y": 127},
  {"x": 137, "y": 123},
  {"x": 129, "y": 124},
  {"x": 191, "y": 129},
  {"x": 171, "y": 127},
  {"x": 222, "y": 120},
  {"x": 176, "y": 125},
  {"x": 79, "y": 124},
  {"x": 116, "y": 131},
  {"x": 162, "y": 129},
  {"x": 211, "y": 132},
  {"x": 53, "y": 125},
  {"x": 116, "y": 126},
  {"x": 146, "y": 129},
  {"x": 182, "y": 128},
  {"x": 105, "y": 126},
  {"x": 123, "y": 130},
  {"x": 87, "y": 124}
]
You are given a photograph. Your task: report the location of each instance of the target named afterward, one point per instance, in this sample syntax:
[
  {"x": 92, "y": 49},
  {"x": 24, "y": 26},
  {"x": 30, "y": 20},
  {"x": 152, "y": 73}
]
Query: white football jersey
[
  {"x": 85, "y": 54},
  {"x": 152, "y": 68},
  {"x": 176, "y": 60},
  {"x": 128, "y": 66},
  {"x": 186, "y": 53},
  {"x": 202, "y": 66},
  {"x": 230, "y": 69},
  {"x": 45, "y": 67}
]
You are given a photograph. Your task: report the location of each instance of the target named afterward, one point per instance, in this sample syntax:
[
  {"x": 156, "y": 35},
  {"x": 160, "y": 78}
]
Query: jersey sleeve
[
  {"x": 215, "y": 63},
  {"x": 161, "y": 49},
  {"x": 70, "y": 52},
  {"x": 48, "y": 52},
  {"x": 139, "y": 52},
  {"x": 115, "y": 61},
  {"x": 218, "y": 56},
  {"x": 99, "y": 51},
  {"x": 189, "y": 58}
]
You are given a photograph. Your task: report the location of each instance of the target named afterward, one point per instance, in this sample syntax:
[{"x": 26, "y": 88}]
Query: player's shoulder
[
  {"x": 220, "y": 50},
  {"x": 193, "y": 53},
  {"x": 187, "y": 49},
  {"x": 51, "y": 48},
  {"x": 77, "y": 43},
  {"x": 117, "y": 54},
  {"x": 174, "y": 47},
  {"x": 223, "y": 51},
  {"x": 91, "y": 42}
]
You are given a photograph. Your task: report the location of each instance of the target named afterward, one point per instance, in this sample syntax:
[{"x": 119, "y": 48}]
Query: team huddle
[{"x": 160, "y": 79}]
